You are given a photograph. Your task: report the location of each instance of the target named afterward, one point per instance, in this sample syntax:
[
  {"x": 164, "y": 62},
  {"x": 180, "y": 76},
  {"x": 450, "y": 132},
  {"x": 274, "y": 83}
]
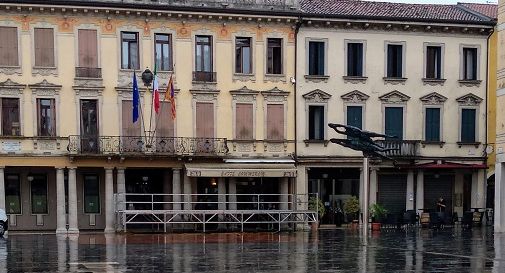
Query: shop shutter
[
  {"x": 436, "y": 187},
  {"x": 392, "y": 190}
]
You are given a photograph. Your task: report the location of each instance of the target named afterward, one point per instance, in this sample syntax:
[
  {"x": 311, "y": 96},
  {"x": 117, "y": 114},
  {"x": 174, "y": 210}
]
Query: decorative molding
[
  {"x": 433, "y": 82},
  {"x": 11, "y": 70},
  {"x": 45, "y": 88},
  {"x": 244, "y": 94},
  {"x": 433, "y": 98},
  {"x": 275, "y": 95},
  {"x": 394, "y": 81},
  {"x": 316, "y": 96},
  {"x": 395, "y": 97},
  {"x": 469, "y": 83},
  {"x": 354, "y": 79},
  {"x": 355, "y": 97},
  {"x": 204, "y": 94},
  {"x": 275, "y": 78},
  {"x": 45, "y": 71},
  {"x": 243, "y": 77},
  {"x": 469, "y": 100},
  {"x": 316, "y": 78},
  {"x": 11, "y": 88}
]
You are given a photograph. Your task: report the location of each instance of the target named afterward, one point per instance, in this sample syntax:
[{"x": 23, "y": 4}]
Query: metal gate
[
  {"x": 436, "y": 187},
  {"x": 392, "y": 192}
]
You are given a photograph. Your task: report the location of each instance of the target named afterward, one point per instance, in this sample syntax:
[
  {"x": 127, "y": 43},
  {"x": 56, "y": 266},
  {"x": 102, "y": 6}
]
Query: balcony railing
[
  {"x": 88, "y": 72},
  {"x": 401, "y": 148},
  {"x": 141, "y": 145},
  {"x": 203, "y": 76}
]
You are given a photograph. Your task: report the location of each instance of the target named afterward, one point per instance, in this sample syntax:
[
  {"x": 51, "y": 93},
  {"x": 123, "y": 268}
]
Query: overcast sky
[{"x": 440, "y": 1}]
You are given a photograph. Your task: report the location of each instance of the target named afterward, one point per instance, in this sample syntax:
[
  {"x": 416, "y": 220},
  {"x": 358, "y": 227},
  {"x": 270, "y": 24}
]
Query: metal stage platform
[{"x": 201, "y": 210}]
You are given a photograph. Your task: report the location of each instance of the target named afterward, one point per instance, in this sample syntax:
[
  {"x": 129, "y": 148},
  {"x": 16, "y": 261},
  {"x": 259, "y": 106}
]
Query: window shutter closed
[
  {"x": 9, "y": 46},
  {"x": 468, "y": 125},
  {"x": 44, "y": 47},
  {"x": 354, "y": 116},
  {"x": 432, "y": 124},
  {"x": 244, "y": 121},
  {"x": 204, "y": 120},
  {"x": 129, "y": 128},
  {"x": 88, "y": 49},
  {"x": 165, "y": 122},
  {"x": 394, "y": 122},
  {"x": 275, "y": 122}
]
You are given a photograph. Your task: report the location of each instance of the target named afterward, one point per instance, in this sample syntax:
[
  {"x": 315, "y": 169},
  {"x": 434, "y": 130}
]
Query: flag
[
  {"x": 156, "y": 93},
  {"x": 136, "y": 99},
  {"x": 170, "y": 95}
]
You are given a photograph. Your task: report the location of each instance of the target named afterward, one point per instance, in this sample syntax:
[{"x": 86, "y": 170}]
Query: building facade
[
  {"x": 419, "y": 77},
  {"x": 499, "y": 223},
  {"x": 69, "y": 142}
]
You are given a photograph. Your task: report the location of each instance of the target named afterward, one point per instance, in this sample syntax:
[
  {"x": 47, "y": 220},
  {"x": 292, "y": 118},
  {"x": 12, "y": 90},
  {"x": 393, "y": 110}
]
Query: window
[
  {"x": 316, "y": 58},
  {"x": 89, "y": 126},
  {"x": 243, "y": 55},
  {"x": 130, "y": 50},
  {"x": 44, "y": 47},
  {"x": 469, "y": 64},
  {"x": 274, "y": 56},
  {"x": 12, "y": 194},
  {"x": 91, "y": 194},
  {"x": 316, "y": 122},
  {"x": 394, "y": 61},
  {"x": 355, "y": 59},
  {"x": 204, "y": 119},
  {"x": 393, "y": 122},
  {"x": 468, "y": 117},
  {"x": 203, "y": 59},
  {"x": 46, "y": 117},
  {"x": 355, "y": 116},
  {"x": 432, "y": 124},
  {"x": 10, "y": 117},
  {"x": 88, "y": 48},
  {"x": 165, "y": 128},
  {"x": 434, "y": 62},
  {"x": 244, "y": 121},
  {"x": 38, "y": 187},
  {"x": 130, "y": 129},
  {"x": 163, "y": 51},
  {"x": 275, "y": 122},
  {"x": 9, "y": 46}
]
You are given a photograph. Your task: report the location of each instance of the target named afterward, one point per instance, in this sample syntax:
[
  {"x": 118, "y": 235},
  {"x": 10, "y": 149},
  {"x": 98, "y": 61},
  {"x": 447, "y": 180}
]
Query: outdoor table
[{"x": 424, "y": 218}]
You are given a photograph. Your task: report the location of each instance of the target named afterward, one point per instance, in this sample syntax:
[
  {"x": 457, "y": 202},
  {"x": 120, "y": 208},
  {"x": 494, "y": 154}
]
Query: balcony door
[
  {"x": 204, "y": 127},
  {"x": 394, "y": 122},
  {"x": 131, "y": 139},
  {"x": 89, "y": 126}
]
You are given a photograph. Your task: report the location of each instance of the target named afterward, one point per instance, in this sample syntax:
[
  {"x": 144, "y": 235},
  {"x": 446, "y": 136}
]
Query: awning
[
  {"x": 240, "y": 170},
  {"x": 449, "y": 165}
]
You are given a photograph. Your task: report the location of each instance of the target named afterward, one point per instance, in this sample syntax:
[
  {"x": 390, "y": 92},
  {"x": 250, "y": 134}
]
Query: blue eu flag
[{"x": 136, "y": 99}]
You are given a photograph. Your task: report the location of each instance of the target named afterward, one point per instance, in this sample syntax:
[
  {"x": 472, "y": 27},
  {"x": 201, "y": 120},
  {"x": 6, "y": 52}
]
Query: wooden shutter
[
  {"x": 88, "y": 48},
  {"x": 432, "y": 126},
  {"x": 275, "y": 122},
  {"x": 165, "y": 123},
  {"x": 354, "y": 116},
  {"x": 204, "y": 119},
  {"x": 316, "y": 122},
  {"x": 244, "y": 121},
  {"x": 9, "y": 46},
  {"x": 394, "y": 122},
  {"x": 468, "y": 125},
  {"x": 44, "y": 47},
  {"x": 128, "y": 127}
]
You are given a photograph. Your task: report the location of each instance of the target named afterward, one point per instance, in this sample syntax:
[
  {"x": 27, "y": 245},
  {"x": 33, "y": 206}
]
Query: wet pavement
[{"x": 477, "y": 250}]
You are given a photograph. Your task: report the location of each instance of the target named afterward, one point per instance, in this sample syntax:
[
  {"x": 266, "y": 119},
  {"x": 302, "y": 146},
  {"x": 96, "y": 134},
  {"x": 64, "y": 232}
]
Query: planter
[{"x": 376, "y": 226}]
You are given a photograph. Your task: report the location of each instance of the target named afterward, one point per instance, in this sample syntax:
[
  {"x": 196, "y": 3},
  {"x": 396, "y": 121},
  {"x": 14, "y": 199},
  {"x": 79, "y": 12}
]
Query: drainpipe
[{"x": 297, "y": 28}]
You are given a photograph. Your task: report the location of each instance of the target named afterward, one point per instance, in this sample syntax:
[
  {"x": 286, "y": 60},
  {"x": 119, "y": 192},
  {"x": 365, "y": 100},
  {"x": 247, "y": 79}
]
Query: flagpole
[{"x": 141, "y": 112}]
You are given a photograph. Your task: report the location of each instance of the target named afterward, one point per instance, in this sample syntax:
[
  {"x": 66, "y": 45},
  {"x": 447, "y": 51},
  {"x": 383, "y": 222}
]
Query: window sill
[
  {"x": 433, "y": 81},
  {"x": 243, "y": 77},
  {"x": 476, "y": 144},
  {"x": 469, "y": 83},
  {"x": 44, "y": 71},
  {"x": 394, "y": 80},
  {"x": 439, "y": 143},
  {"x": 275, "y": 77},
  {"x": 316, "y": 141},
  {"x": 355, "y": 79},
  {"x": 316, "y": 78}
]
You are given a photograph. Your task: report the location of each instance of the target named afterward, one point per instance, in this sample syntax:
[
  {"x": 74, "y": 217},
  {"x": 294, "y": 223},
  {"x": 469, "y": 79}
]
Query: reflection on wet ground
[{"x": 477, "y": 250}]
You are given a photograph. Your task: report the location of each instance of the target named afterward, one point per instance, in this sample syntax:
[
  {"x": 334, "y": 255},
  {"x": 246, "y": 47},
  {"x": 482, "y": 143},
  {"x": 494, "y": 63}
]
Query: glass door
[{"x": 89, "y": 126}]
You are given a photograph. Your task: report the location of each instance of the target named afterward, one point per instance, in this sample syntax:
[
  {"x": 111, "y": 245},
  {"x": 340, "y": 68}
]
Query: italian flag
[{"x": 156, "y": 93}]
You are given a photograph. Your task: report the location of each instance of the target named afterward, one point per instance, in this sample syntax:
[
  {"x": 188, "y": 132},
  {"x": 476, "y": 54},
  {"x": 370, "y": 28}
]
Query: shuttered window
[
  {"x": 129, "y": 128},
  {"x": 434, "y": 62},
  {"x": 468, "y": 125},
  {"x": 432, "y": 124},
  {"x": 88, "y": 48},
  {"x": 316, "y": 58},
  {"x": 9, "y": 46},
  {"x": 165, "y": 123},
  {"x": 355, "y": 59},
  {"x": 394, "y": 122},
  {"x": 275, "y": 122},
  {"x": 394, "y": 61},
  {"x": 44, "y": 47},
  {"x": 46, "y": 117},
  {"x": 244, "y": 121},
  {"x": 316, "y": 122},
  {"x": 355, "y": 116},
  {"x": 10, "y": 117},
  {"x": 470, "y": 64},
  {"x": 204, "y": 119}
]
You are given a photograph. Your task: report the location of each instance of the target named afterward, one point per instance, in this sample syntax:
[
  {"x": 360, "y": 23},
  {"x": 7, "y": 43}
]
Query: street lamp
[{"x": 147, "y": 77}]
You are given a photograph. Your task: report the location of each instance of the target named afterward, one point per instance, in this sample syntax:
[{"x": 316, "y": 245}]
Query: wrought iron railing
[
  {"x": 401, "y": 148},
  {"x": 136, "y": 145},
  {"x": 88, "y": 72},
  {"x": 203, "y": 76}
]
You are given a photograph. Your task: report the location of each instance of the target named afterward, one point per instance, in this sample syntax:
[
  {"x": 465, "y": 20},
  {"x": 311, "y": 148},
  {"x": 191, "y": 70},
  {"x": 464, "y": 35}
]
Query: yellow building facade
[{"x": 69, "y": 142}]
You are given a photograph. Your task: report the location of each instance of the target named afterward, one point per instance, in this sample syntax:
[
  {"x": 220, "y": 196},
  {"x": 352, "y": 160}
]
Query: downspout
[{"x": 297, "y": 28}]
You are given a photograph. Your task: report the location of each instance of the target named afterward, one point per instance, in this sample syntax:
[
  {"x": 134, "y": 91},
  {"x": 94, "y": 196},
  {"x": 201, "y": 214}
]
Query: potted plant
[
  {"x": 378, "y": 213},
  {"x": 351, "y": 209},
  {"x": 316, "y": 204}
]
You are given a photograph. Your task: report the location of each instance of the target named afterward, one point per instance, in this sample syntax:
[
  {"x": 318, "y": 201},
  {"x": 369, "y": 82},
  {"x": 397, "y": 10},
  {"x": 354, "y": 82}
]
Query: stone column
[
  {"x": 373, "y": 185},
  {"x": 361, "y": 192},
  {"x": 420, "y": 191},
  {"x": 232, "y": 189},
  {"x": 284, "y": 191},
  {"x": 176, "y": 188},
  {"x": 61, "y": 221},
  {"x": 499, "y": 195},
  {"x": 458, "y": 193},
  {"x": 73, "y": 226},
  {"x": 187, "y": 193},
  {"x": 2, "y": 188},
  {"x": 109, "y": 201},
  {"x": 302, "y": 185},
  {"x": 121, "y": 189},
  {"x": 478, "y": 189},
  {"x": 221, "y": 190},
  {"x": 410, "y": 191}
]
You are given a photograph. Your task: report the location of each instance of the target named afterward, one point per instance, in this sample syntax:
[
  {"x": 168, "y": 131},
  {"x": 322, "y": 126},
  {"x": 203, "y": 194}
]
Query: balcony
[
  {"x": 142, "y": 146},
  {"x": 407, "y": 149},
  {"x": 204, "y": 77},
  {"x": 88, "y": 72}
]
